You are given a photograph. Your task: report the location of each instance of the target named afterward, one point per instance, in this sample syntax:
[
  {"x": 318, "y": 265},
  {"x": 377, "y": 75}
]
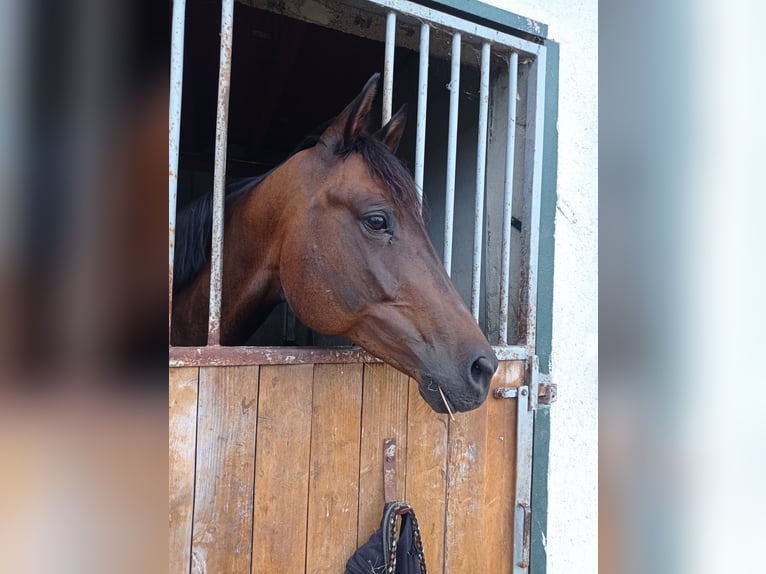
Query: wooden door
[{"x": 279, "y": 468}]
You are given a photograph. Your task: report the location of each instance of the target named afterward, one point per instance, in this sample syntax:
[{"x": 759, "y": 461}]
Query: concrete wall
[{"x": 573, "y": 481}]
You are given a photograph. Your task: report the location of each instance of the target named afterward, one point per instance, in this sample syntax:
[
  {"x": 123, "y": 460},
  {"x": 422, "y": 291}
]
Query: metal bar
[
  {"x": 174, "y": 119},
  {"x": 513, "y": 68},
  {"x": 389, "y": 470},
  {"x": 510, "y": 352},
  {"x": 534, "y": 169},
  {"x": 505, "y": 392},
  {"x": 219, "y": 174},
  {"x": 534, "y": 381},
  {"x": 238, "y": 356},
  {"x": 481, "y": 166},
  {"x": 523, "y": 482},
  {"x": 420, "y": 138},
  {"x": 388, "y": 66},
  {"x": 449, "y": 202},
  {"x": 474, "y": 32}
]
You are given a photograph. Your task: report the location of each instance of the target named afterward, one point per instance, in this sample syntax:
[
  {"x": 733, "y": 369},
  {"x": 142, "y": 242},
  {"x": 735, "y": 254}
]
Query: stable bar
[
  {"x": 534, "y": 170},
  {"x": 470, "y": 29},
  {"x": 174, "y": 120},
  {"x": 481, "y": 166},
  {"x": 449, "y": 202},
  {"x": 388, "y": 66},
  {"x": 513, "y": 69},
  {"x": 241, "y": 356},
  {"x": 521, "y": 522},
  {"x": 219, "y": 174},
  {"x": 420, "y": 137}
]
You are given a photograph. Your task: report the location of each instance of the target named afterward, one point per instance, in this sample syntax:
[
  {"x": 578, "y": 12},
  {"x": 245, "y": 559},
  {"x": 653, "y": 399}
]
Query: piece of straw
[{"x": 446, "y": 404}]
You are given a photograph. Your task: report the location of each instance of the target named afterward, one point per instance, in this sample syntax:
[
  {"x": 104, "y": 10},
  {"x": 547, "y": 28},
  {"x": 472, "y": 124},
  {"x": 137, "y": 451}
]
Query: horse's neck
[{"x": 251, "y": 285}]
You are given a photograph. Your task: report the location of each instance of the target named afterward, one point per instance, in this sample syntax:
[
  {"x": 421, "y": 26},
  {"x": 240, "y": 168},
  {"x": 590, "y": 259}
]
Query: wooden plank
[
  {"x": 223, "y": 501},
  {"x": 334, "y": 481},
  {"x": 465, "y": 542},
  {"x": 282, "y": 469},
  {"x": 426, "y": 480},
  {"x": 499, "y": 486},
  {"x": 182, "y": 437},
  {"x": 384, "y": 415}
]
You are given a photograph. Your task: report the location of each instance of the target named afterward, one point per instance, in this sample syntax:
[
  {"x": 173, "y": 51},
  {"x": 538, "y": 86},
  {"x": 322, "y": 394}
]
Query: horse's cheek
[{"x": 304, "y": 286}]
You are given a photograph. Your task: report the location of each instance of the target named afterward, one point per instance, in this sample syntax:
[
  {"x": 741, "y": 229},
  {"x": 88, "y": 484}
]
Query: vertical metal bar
[
  {"x": 521, "y": 523},
  {"x": 513, "y": 70},
  {"x": 174, "y": 119},
  {"x": 420, "y": 138},
  {"x": 219, "y": 174},
  {"x": 449, "y": 203},
  {"x": 481, "y": 165},
  {"x": 388, "y": 66},
  {"x": 534, "y": 161}
]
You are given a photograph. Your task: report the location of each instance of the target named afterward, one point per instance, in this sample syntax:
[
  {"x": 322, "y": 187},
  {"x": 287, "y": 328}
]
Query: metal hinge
[{"x": 546, "y": 393}]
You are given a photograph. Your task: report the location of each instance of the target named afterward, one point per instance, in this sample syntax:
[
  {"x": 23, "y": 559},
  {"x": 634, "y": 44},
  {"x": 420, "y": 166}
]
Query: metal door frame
[{"x": 469, "y": 22}]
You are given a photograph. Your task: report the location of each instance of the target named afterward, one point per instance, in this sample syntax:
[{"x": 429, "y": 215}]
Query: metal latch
[{"x": 546, "y": 393}]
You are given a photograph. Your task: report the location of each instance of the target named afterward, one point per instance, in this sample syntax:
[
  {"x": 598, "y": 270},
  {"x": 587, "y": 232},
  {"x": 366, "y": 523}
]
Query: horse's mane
[
  {"x": 194, "y": 223},
  {"x": 386, "y": 167}
]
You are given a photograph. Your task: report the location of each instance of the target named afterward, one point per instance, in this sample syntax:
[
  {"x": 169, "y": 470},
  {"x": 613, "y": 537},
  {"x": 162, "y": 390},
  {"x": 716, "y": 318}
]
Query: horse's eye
[{"x": 376, "y": 222}]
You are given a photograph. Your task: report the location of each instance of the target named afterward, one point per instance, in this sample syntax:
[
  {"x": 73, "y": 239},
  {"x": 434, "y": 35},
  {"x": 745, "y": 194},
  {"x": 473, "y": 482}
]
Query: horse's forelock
[{"x": 386, "y": 167}]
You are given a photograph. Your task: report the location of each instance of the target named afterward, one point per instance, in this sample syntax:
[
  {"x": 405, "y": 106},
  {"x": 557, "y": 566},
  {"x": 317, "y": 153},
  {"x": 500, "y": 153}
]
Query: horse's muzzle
[{"x": 462, "y": 391}]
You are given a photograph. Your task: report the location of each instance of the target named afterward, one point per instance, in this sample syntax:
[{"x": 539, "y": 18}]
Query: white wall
[{"x": 573, "y": 483}]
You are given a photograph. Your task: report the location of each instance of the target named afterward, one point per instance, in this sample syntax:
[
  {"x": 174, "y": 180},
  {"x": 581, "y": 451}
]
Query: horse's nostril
[{"x": 482, "y": 370}]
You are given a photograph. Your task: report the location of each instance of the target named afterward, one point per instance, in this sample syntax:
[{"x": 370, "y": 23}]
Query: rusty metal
[
  {"x": 533, "y": 159},
  {"x": 420, "y": 138},
  {"x": 526, "y": 522},
  {"x": 240, "y": 356},
  {"x": 219, "y": 173},
  {"x": 513, "y": 70},
  {"x": 505, "y": 393},
  {"x": 388, "y": 66},
  {"x": 174, "y": 120},
  {"x": 524, "y": 428},
  {"x": 481, "y": 166},
  {"x": 449, "y": 200},
  {"x": 547, "y": 395},
  {"x": 236, "y": 356},
  {"x": 389, "y": 469}
]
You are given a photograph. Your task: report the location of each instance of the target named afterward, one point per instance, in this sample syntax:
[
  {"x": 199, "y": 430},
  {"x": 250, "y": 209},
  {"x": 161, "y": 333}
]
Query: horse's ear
[
  {"x": 352, "y": 121},
  {"x": 391, "y": 133}
]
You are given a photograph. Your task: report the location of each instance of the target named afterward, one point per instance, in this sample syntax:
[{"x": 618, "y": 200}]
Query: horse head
[{"x": 355, "y": 260}]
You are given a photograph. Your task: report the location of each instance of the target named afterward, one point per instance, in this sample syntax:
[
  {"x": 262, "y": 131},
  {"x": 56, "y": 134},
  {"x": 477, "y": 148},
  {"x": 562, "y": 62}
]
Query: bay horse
[{"x": 337, "y": 232}]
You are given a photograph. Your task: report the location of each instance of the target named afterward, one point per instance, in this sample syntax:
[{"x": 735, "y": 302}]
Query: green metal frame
[
  {"x": 541, "y": 440},
  {"x": 491, "y": 16}
]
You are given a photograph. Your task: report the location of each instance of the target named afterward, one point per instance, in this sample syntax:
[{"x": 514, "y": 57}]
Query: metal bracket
[
  {"x": 389, "y": 469},
  {"x": 524, "y": 517},
  {"x": 541, "y": 391},
  {"x": 548, "y": 393}
]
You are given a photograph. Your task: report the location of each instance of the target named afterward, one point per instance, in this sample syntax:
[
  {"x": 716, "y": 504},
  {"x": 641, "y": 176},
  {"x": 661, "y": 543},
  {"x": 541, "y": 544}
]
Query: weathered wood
[
  {"x": 223, "y": 501},
  {"x": 309, "y": 490},
  {"x": 499, "y": 485},
  {"x": 465, "y": 541},
  {"x": 426, "y": 478},
  {"x": 334, "y": 481},
  {"x": 282, "y": 469},
  {"x": 384, "y": 415},
  {"x": 182, "y": 436}
]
